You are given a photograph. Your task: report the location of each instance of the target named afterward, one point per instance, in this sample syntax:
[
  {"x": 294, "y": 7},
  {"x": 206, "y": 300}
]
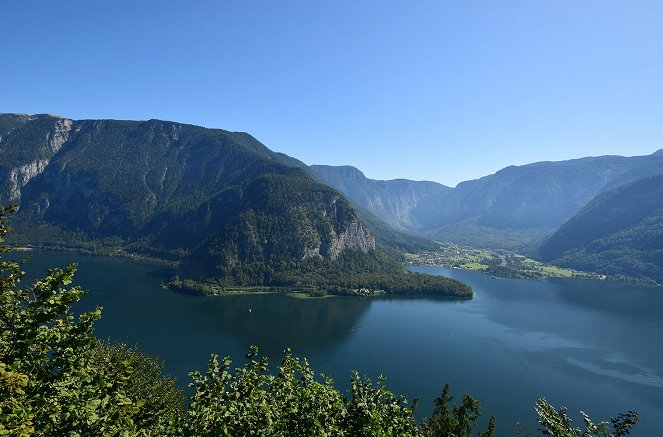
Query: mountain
[
  {"x": 213, "y": 198},
  {"x": 106, "y": 178},
  {"x": 392, "y": 201},
  {"x": 384, "y": 205},
  {"x": 620, "y": 232},
  {"x": 515, "y": 207}
]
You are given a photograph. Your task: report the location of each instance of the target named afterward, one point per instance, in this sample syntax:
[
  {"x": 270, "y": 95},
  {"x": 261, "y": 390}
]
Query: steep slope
[
  {"x": 620, "y": 232},
  {"x": 208, "y": 196},
  {"x": 27, "y": 144},
  {"x": 133, "y": 180},
  {"x": 390, "y": 237},
  {"x": 392, "y": 201}
]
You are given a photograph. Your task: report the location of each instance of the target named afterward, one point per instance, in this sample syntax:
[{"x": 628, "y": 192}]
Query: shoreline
[
  {"x": 197, "y": 288},
  {"x": 111, "y": 253},
  {"x": 588, "y": 276}
]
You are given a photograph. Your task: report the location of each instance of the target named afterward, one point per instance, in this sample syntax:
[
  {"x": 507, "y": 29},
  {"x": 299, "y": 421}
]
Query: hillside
[
  {"x": 216, "y": 199},
  {"x": 620, "y": 232}
]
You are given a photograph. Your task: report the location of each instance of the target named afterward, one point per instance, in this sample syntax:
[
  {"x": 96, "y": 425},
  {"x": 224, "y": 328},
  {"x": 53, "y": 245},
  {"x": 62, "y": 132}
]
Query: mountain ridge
[
  {"x": 514, "y": 208},
  {"x": 152, "y": 165},
  {"x": 249, "y": 215}
]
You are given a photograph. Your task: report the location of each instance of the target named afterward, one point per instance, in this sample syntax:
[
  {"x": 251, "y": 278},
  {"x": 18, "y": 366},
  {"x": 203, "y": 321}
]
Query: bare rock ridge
[
  {"x": 355, "y": 237},
  {"x": 59, "y": 135}
]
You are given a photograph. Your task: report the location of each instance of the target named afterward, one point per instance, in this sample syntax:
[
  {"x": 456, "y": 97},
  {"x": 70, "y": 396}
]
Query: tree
[
  {"x": 557, "y": 423},
  {"x": 450, "y": 420},
  {"x": 140, "y": 377},
  {"x": 55, "y": 377},
  {"x": 374, "y": 410}
]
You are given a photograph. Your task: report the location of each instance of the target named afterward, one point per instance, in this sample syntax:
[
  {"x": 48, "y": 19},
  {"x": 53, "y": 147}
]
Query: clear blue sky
[{"x": 437, "y": 90}]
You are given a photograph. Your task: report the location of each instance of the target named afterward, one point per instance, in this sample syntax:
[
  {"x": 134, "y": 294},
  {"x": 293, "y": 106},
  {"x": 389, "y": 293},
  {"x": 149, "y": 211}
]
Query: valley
[
  {"x": 252, "y": 241},
  {"x": 226, "y": 210}
]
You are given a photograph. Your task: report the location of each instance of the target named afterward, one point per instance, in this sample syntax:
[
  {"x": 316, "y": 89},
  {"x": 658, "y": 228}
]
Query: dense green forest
[
  {"x": 57, "y": 379},
  {"x": 377, "y": 272}
]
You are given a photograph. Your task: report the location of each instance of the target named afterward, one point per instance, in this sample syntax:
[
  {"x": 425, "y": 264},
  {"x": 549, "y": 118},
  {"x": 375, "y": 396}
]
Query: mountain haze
[
  {"x": 515, "y": 207},
  {"x": 392, "y": 201}
]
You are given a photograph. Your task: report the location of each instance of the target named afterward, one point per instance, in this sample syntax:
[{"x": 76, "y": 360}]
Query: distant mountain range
[
  {"x": 394, "y": 201},
  {"x": 514, "y": 208},
  {"x": 228, "y": 206}
]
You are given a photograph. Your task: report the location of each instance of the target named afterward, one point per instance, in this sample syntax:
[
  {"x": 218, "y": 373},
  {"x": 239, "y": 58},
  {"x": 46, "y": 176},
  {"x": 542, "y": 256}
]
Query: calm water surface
[{"x": 587, "y": 345}]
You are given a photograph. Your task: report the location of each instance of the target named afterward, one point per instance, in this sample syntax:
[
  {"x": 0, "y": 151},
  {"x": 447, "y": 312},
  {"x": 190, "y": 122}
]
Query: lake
[{"x": 587, "y": 345}]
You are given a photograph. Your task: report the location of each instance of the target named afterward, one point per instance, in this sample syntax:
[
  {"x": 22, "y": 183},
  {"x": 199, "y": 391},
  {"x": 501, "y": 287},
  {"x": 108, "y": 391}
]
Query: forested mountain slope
[
  {"x": 107, "y": 178},
  {"x": 180, "y": 191},
  {"x": 620, "y": 232}
]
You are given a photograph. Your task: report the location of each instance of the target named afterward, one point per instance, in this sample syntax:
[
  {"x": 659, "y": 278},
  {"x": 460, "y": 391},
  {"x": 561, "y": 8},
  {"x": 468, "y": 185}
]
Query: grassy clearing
[
  {"x": 474, "y": 266},
  {"x": 558, "y": 271}
]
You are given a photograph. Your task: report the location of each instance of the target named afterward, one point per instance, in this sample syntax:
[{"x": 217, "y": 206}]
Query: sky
[{"x": 426, "y": 90}]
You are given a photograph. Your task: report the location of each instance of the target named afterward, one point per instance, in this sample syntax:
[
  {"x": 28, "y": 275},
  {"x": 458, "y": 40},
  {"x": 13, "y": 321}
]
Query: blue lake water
[{"x": 588, "y": 345}]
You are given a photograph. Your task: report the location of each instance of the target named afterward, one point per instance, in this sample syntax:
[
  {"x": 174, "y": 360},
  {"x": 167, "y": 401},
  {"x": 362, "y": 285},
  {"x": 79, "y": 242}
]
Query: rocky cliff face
[
  {"x": 48, "y": 143},
  {"x": 58, "y": 135},
  {"x": 18, "y": 177},
  {"x": 356, "y": 236}
]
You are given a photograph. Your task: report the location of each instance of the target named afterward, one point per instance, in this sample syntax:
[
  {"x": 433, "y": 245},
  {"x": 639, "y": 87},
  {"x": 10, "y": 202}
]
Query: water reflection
[
  {"x": 184, "y": 330},
  {"x": 274, "y": 322}
]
